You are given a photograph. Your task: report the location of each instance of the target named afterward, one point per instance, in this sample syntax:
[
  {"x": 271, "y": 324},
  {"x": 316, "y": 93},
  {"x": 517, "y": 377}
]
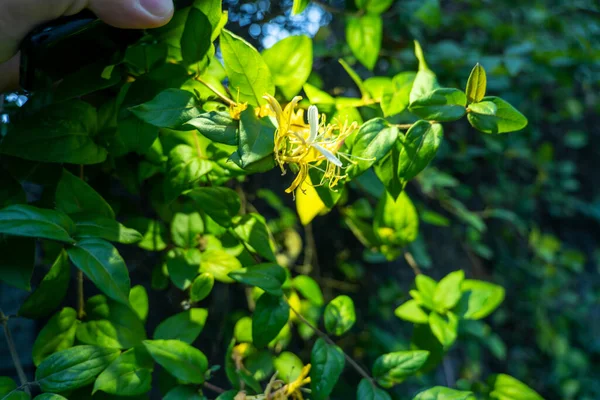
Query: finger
[
  {"x": 19, "y": 17},
  {"x": 9, "y": 74}
]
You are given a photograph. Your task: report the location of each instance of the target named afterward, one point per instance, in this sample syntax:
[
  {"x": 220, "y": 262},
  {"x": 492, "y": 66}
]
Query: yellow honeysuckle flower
[
  {"x": 293, "y": 388},
  {"x": 308, "y": 145}
]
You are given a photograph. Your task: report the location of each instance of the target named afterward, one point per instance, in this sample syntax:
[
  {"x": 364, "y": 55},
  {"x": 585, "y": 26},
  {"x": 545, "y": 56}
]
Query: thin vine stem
[
  {"x": 412, "y": 263},
  {"x": 216, "y": 91},
  {"x": 214, "y": 388},
  {"x": 325, "y": 337},
  {"x": 13, "y": 352}
]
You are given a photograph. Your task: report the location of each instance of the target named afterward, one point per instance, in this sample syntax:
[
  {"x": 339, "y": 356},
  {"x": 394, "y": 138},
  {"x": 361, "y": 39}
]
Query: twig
[
  {"x": 216, "y": 91},
  {"x": 324, "y": 336},
  {"x": 214, "y": 388},
  {"x": 412, "y": 263},
  {"x": 403, "y": 126},
  {"x": 13, "y": 352},
  {"x": 197, "y": 144}
]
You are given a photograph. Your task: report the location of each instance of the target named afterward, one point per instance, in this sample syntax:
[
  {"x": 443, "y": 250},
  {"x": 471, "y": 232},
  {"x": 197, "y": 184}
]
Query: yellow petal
[{"x": 308, "y": 203}]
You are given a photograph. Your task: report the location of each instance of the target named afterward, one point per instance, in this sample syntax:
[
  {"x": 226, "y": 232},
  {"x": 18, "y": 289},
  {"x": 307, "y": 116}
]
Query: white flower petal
[
  {"x": 313, "y": 122},
  {"x": 328, "y": 155}
]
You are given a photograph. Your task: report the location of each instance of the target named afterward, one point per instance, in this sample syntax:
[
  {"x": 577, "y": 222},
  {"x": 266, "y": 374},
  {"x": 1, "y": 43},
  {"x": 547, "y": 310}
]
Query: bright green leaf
[
  {"x": 268, "y": 277},
  {"x": 288, "y": 365},
  {"x": 443, "y": 393},
  {"x": 220, "y": 203},
  {"x": 290, "y": 63},
  {"x": 412, "y": 312},
  {"x": 185, "y": 326},
  {"x": 308, "y": 288},
  {"x": 252, "y": 229},
  {"x": 219, "y": 264},
  {"x": 505, "y": 387},
  {"x": 138, "y": 299},
  {"x": 364, "y": 34},
  {"x": 505, "y": 119},
  {"x": 181, "y": 360},
  {"x": 184, "y": 169},
  {"x": 441, "y": 105},
  {"x": 479, "y": 299},
  {"x": 392, "y": 368},
  {"x": 97, "y": 226},
  {"x": 129, "y": 375},
  {"x": 58, "y": 334},
  {"x": 476, "y": 84},
  {"x": 447, "y": 292},
  {"x": 339, "y": 315},
  {"x": 183, "y": 266},
  {"x": 201, "y": 287},
  {"x": 445, "y": 329}
]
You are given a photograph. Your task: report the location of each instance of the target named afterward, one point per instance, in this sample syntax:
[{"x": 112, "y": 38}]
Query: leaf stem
[
  {"x": 13, "y": 352},
  {"x": 216, "y": 91},
  {"x": 412, "y": 263},
  {"x": 197, "y": 144},
  {"x": 214, "y": 388},
  {"x": 325, "y": 337},
  {"x": 403, "y": 126}
]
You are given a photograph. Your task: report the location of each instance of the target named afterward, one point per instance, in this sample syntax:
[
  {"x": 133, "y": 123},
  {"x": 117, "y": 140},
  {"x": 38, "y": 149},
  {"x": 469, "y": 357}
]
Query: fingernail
[{"x": 158, "y": 8}]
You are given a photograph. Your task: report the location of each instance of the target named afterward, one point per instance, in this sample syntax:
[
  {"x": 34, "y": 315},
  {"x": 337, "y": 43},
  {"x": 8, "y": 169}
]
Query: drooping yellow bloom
[{"x": 308, "y": 145}]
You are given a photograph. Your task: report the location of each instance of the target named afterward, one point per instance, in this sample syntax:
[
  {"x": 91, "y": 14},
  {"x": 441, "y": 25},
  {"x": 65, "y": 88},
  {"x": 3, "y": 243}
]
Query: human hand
[{"x": 19, "y": 17}]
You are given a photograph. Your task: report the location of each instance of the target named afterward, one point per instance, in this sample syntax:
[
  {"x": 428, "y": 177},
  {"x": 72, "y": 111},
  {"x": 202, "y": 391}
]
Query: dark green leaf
[
  {"x": 129, "y": 375},
  {"x": 60, "y": 133},
  {"x": 220, "y": 203},
  {"x": 73, "y": 368},
  {"x": 25, "y": 220},
  {"x": 49, "y": 396},
  {"x": 132, "y": 135},
  {"x": 196, "y": 37},
  {"x": 184, "y": 169},
  {"x": 476, "y": 84},
  {"x": 51, "y": 291},
  {"x": 185, "y": 326},
  {"x": 97, "y": 226},
  {"x": 290, "y": 63},
  {"x": 184, "y": 393},
  {"x": 248, "y": 74},
  {"x": 368, "y": 391},
  {"x": 387, "y": 170},
  {"x": 186, "y": 229},
  {"x": 339, "y": 315},
  {"x": 58, "y": 334},
  {"x": 256, "y": 137},
  {"x": 252, "y": 229},
  {"x": 268, "y": 277},
  {"x": 104, "y": 266},
  {"x": 217, "y": 126},
  {"x": 392, "y": 368},
  {"x": 327, "y": 366},
  {"x": 373, "y": 141},
  {"x": 73, "y": 195},
  {"x": 419, "y": 147},
  {"x": 443, "y": 393},
  {"x": 171, "y": 108},
  {"x": 201, "y": 287},
  {"x": 363, "y": 35},
  {"x": 181, "y": 360},
  {"x": 441, "y": 105},
  {"x": 506, "y": 118},
  {"x": 270, "y": 316},
  {"x": 183, "y": 266},
  {"x": 373, "y": 6},
  {"x": 17, "y": 258},
  {"x": 11, "y": 191}
]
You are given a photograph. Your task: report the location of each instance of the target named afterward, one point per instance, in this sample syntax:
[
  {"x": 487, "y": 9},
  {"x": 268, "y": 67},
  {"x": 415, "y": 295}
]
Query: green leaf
[
  {"x": 110, "y": 324},
  {"x": 97, "y": 226},
  {"x": 248, "y": 74},
  {"x": 419, "y": 147},
  {"x": 445, "y": 329},
  {"x": 17, "y": 259},
  {"x": 132, "y": 135},
  {"x": 154, "y": 233},
  {"x": 392, "y": 368},
  {"x": 219, "y": 203},
  {"x": 60, "y": 133},
  {"x": 104, "y": 266},
  {"x": 355, "y": 77},
  {"x": 252, "y": 229},
  {"x": 212, "y": 10},
  {"x": 184, "y": 393},
  {"x": 374, "y": 6},
  {"x": 396, "y": 222},
  {"x": 327, "y": 366},
  {"x": 181, "y": 360},
  {"x": 268, "y": 277},
  {"x": 410, "y": 311},
  {"x": 270, "y": 316},
  {"x": 217, "y": 126},
  {"x": 255, "y": 139},
  {"x": 288, "y": 365},
  {"x": 317, "y": 96},
  {"x": 484, "y": 108},
  {"x": 129, "y": 375},
  {"x": 308, "y": 288},
  {"x": 447, "y": 292},
  {"x": 425, "y": 81},
  {"x": 196, "y": 37},
  {"x": 201, "y": 287},
  {"x": 51, "y": 291},
  {"x": 183, "y": 266},
  {"x": 374, "y": 140},
  {"x": 186, "y": 229},
  {"x": 7, "y": 385},
  {"x": 443, "y": 393},
  {"x": 49, "y": 396},
  {"x": 395, "y": 97},
  {"x": 185, "y": 326},
  {"x": 170, "y": 108},
  {"x": 476, "y": 84},
  {"x": 299, "y": 6},
  {"x": 479, "y": 299},
  {"x": 290, "y": 62},
  {"x": 73, "y": 368},
  {"x": 441, "y": 105},
  {"x": 73, "y": 195},
  {"x": 339, "y": 315},
  {"x": 368, "y": 391},
  {"x": 363, "y": 35},
  {"x": 219, "y": 264},
  {"x": 506, "y": 118},
  {"x": 138, "y": 299},
  {"x": 426, "y": 287},
  {"x": 58, "y": 334},
  {"x": 387, "y": 170},
  {"x": 505, "y": 387},
  {"x": 184, "y": 169},
  {"x": 25, "y": 220}
]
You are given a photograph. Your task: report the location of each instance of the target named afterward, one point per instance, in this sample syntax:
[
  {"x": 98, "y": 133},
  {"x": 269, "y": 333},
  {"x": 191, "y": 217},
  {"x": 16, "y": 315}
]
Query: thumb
[{"x": 19, "y": 17}]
